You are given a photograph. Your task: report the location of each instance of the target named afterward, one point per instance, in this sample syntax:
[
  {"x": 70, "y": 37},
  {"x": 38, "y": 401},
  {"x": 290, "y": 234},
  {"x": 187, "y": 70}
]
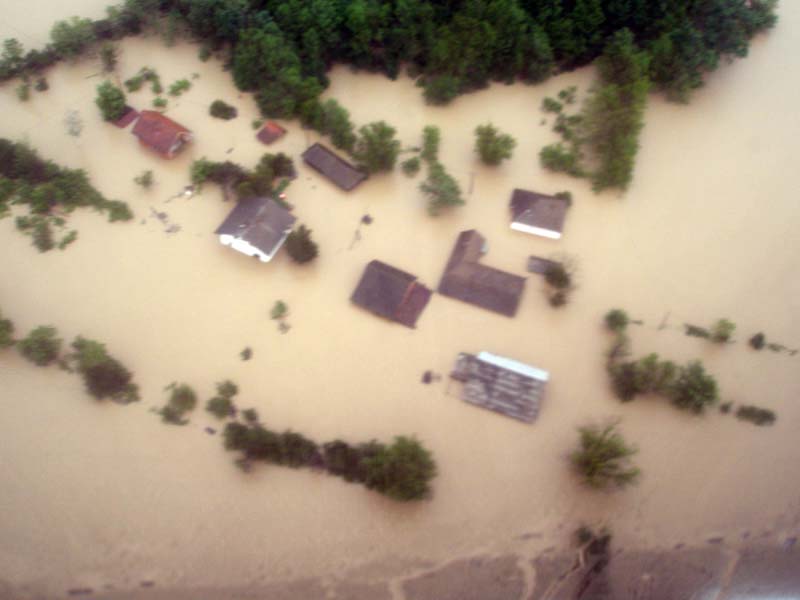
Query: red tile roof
[
  {"x": 159, "y": 132},
  {"x": 270, "y": 132}
]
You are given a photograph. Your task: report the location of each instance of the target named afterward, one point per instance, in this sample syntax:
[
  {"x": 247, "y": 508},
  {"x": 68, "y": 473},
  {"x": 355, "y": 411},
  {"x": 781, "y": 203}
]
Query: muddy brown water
[{"x": 102, "y": 494}]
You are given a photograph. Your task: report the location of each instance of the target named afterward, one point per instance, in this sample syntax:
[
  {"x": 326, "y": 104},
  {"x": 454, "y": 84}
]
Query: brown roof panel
[
  {"x": 334, "y": 167},
  {"x": 270, "y": 132},
  {"x": 159, "y": 132},
  {"x": 391, "y": 293}
]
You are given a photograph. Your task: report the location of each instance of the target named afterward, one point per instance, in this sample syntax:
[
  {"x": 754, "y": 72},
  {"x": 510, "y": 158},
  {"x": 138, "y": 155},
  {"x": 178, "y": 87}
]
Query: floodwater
[{"x": 98, "y": 495}]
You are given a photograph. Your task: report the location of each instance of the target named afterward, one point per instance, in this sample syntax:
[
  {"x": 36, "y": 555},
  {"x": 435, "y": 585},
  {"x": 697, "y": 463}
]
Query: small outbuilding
[
  {"x": 538, "y": 214},
  {"x": 257, "y": 227},
  {"x": 333, "y": 166},
  {"x": 391, "y": 293},
  {"x": 160, "y": 133},
  {"x": 466, "y": 279},
  {"x": 270, "y": 132},
  {"x": 501, "y": 384}
]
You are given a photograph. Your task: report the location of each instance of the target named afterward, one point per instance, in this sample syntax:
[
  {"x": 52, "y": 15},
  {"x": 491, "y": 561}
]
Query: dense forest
[{"x": 281, "y": 50}]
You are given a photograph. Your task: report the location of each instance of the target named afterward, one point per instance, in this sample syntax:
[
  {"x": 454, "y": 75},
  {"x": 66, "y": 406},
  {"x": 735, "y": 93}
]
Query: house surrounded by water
[
  {"x": 256, "y": 227},
  {"x": 538, "y": 214}
]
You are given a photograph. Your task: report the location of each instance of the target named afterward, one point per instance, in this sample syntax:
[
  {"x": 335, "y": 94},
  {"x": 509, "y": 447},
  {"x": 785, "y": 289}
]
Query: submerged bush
[
  {"x": 103, "y": 375},
  {"x": 300, "y": 246},
  {"x": 222, "y": 110},
  {"x": 602, "y": 458},
  {"x": 756, "y": 415},
  {"x": 41, "y": 346}
]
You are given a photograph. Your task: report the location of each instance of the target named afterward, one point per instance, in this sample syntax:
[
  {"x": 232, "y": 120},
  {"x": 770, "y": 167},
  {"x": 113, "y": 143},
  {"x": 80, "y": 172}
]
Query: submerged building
[
  {"x": 257, "y": 227},
  {"x": 391, "y": 293}
]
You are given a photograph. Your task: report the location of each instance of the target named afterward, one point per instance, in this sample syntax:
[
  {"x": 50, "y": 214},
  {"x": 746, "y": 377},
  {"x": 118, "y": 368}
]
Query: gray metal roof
[{"x": 261, "y": 222}]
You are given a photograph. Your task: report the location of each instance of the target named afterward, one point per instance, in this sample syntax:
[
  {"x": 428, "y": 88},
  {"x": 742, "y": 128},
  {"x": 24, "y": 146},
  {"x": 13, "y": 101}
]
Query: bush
[
  {"x": 402, "y": 471},
  {"x": 617, "y": 320},
  {"x": 221, "y": 407},
  {"x": 145, "y": 179},
  {"x": 300, "y": 246},
  {"x": 556, "y": 157},
  {"x": 279, "y": 310},
  {"x": 178, "y": 87},
  {"x": 118, "y": 211},
  {"x": 42, "y": 346},
  {"x": 756, "y": 415},
  {"x": 343, "y": 460},
  {"x": 492, "y": 146},
  {"x": 694, "y": 331},
  {"x": 757, "y": 341},
  {"x": 182, "y": 400},
  {"x": 603, "y": 457},
  {"x": 160, "y": 102},
  {"x": 71, "y": 37},
  {"x": 103, "y": 375},
  {"x": 110, "y": 100},
  {"x": 441, "y": 190},
  {"x": 551, "y": 106},
  {"x": 567, "y": 196},
  {"x": 108, "y": 57},
  {"x": 6, "y": 332},
  {"x": 694, "y": 390},
  {"x": 410, "y": 166},
  {"x": 297, "y": 450},
  {"x": 222, "y": 110},
  {"x": 41, "y": 85},
  {"x": 431, "y": 136},
  {"x": 24, "y": 91},
  {"x": 722, "y": 330},
  {"x": 441, "y": 89},
  {"x": 558, "y": 276}
]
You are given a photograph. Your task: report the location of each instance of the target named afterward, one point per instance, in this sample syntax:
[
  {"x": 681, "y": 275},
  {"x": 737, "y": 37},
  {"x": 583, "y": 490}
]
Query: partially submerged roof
[
  {"x": 160, "y": 133},
  {"x": 501, "y": 384},
  {"x": 270, "y": 132},
  {"x": 129, "y": 115},
  {"x": 467, "y": 280},
  {"x": 391, "y": 293},
  {"x": 539, "y": 265},
  {"x": 334, "y": 167},
  {"x": 261, "y": 222},
  {"x": 538, "y": 214}
]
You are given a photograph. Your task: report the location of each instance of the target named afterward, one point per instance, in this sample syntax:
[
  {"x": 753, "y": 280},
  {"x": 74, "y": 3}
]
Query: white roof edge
[
  {"x": 515, "y": 366},
  {"x": 536, "y": 230}
]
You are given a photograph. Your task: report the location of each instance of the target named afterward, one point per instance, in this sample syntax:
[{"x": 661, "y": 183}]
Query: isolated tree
[
  {"x": 694, "y": 389},
  {"x": 431, "y": 137},
  {"x": 402, "y": 471},
  {"x": 221, "y": 405},
  {"x": 110, "y": 100},
  {"x": 335, "y": 122},
  {"x": 42, "y": 346},
  {"x": 300, "y": 246},
  {"x": 722, "y": 331},
  {"x": 617, "y": 320},
  {"x": 376, "y": 148},
  {"x": 103, "y": 375},
  {"x": 603, "y": 457},
  {"x": 492, "y": 146},
  {"x": 441, "y": 190}
]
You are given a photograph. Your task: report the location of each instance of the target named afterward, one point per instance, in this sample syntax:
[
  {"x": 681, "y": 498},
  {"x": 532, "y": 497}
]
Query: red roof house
[
  {"x": 270, "y": 132},
  {"x": 160, "y": 133}
]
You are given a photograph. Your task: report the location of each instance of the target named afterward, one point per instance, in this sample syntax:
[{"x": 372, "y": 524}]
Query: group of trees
[
  {"x": 41, "y": 187},
  {"x": 235, "y": 179},
  {"x": 402, "y": 470},
  {"x": 111, "y": 101},
  {"x": 103, "y": 375},
  {"x": 440, "y": 188}
]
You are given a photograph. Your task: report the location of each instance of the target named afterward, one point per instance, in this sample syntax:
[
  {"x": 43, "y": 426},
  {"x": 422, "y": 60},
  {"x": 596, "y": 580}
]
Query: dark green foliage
[
  {"x": 300, "y": 246},
  {"x": 42, "y": 234},
  {"x": 182, "y": 400},
  {"x": 694, "y": 331},
  {"x": 103, "y": 375},
  {"x": 558, "y": 276},
  {"x": 41, "y": 346},
  {"x": 722, "y": 331},
  {"x": 222, "y": 110},
  {"x": 6, "y": 332},
  {"x": 551, "y": 106},
  {"x": 221, "y": 405},
  {"x": 564, "y": 196},
  {"x": 160, "y": 102},
  {"x": 298, "y": 450},
  {"x": 110, "y": 100},
  {"x": 179, "y": 87},
  {"x": 603, "y": 458},
  {"x": 145, "y": 179},
  {"x": 108, "y": 57},
  {"x": 41, "y": 85},
  {"x": 24, "y": 91},
  {"x": 117, "y": 211},
  {"x": 441, "y": 190},
  {"x": 725, "y": 407},
  {"x": 492, "y": 146},
  {"x": 431, "y": 137},
  {"x": 246, "y": 354},
  {"x": 250, "y": 415},
  {"x": 279, "y": 310},
  {"x": 694, "y": 390},
  {"x": 617, "y": 320},
  {"x": 756, "y": 415},
  {"x": 403, "y": 471},
  {"x": 559, "y": 158},
  {"x": 410, "y": 166},
  {"x": 71, "y": 37},
  {"x": 757, "y": 341},
  {"x": 441, "y": 89},
  {"x": 336, "y": 123},
  {"x": 377, "y": 149},
  {"x": 11, "y": 60},
  {"x": 344, "y": 460}
]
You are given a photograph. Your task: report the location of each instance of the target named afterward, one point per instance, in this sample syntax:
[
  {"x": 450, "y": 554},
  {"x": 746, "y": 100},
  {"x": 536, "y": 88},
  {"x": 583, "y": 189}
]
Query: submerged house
[
  {"x": 257, "y": 227},
  {"x": 501, "y": 384},
  {"x": 270, "y": 132},
  {"x": 538, "y": 214},
  {"x": 391, "y": 293},
  {"x": 160, "y": 133},
  {"x": 333, "y": 166},
  {"x": 466, "y": 279}
]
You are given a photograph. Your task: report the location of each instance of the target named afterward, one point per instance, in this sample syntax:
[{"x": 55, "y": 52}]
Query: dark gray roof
[
  {"x": 333, "y": 166},
  {"x": 467, "y": 280},
  {"x": 538, "y": 210},
  {"x": 261, "y": 222},
  {"x": 391, "y": 293}
]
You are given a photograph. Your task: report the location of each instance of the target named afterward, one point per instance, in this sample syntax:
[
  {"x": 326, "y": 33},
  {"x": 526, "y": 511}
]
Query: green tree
[
  {"x": 492, "y": 146},
  {"x": 722, "y": 331},
  {"x": 335, "y": 122},
  {"x": 431, "y": 137},
  {"x": 6, "y": 332},
  {"x": 441, "y": 89},
  {"x": 103, "y": 375},
  {"x": 108, "y": 57},
  {"x": 617, "y": 320},
  {"x": 376, "y": 148},
  {"x": 300, "y": 246},
  {"x": 694, "y": 389},
  {"x": 440, "y": 189},
  {"x": 182, "y": 399},
  {"x": 603, "y": 457},
  {"x": 71, "y": 37},
  {"x": 403, "y": 471},
  {"x": 110, "y": 100},
  {"x": 42, "y": 346},
  {"x": 11, "y": 60}
]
